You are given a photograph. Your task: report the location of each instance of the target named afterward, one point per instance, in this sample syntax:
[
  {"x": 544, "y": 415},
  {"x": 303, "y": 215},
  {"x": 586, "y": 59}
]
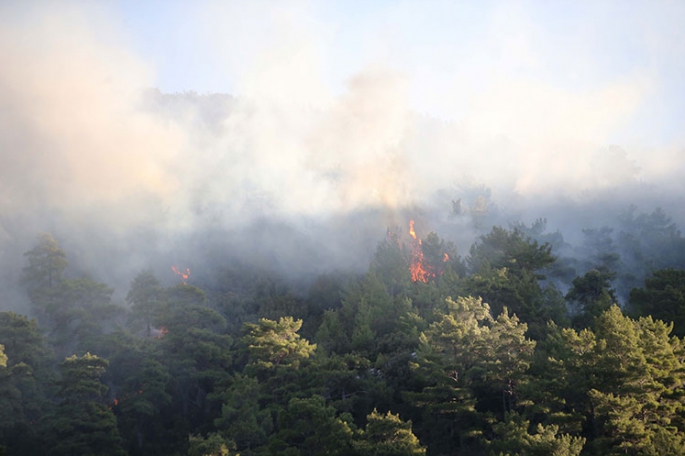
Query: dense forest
[{"x": 524, "y": 346}]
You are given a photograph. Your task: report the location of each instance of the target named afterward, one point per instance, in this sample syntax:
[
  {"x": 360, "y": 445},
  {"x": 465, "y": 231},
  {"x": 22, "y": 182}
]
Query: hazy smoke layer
[{"x": 288, "y": 171}]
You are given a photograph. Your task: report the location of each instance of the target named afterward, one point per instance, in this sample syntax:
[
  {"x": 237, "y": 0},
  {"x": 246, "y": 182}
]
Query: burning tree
[{"x": 429, "y": 259}]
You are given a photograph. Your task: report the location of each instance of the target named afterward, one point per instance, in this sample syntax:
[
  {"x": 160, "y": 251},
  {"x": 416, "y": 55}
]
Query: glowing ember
[
  {"x": 116, "y": 401},
  {"x": 185, "y": 275},
  {"x": 446, "y": 258}
]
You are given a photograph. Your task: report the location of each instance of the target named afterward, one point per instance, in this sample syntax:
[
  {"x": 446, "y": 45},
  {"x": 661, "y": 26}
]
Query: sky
[
  {"x": 336, "y": 107},
  {"x": 450, "y": 51},
  {"x": 534, "y": 73}
]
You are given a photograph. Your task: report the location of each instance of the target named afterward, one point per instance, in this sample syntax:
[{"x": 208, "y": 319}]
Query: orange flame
[
  {"x": 159, "y": 333},
  {"x": 411, "y": 230},
  {"x": 419, "y": 272},
  {"x": 185, "y": 275}
]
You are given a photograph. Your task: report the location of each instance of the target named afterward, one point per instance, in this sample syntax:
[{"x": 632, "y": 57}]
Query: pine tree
[
  {"x": 513, "y": 439},
  {"x": 387, "y": 435},
  {"x": 310, "y": 427},
  {"x": 82, "y": 423},
  {"x": 272, "y": 343}
]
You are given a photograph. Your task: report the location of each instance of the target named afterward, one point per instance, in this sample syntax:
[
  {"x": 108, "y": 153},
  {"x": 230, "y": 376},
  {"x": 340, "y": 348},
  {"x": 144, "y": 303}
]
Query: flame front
[
  {"x": 421, "y": 269},
  {"x": 412, "y": 233},
  {"x": 419, "y": 272},
  {"x": 185, "y": 275},
  {"x": 159, "y": 333}
]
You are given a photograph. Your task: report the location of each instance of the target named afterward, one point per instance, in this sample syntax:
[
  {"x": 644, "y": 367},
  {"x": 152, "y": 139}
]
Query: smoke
[
  {"x": 319, "y": 148},
  {"x": 72, "y": 138}
]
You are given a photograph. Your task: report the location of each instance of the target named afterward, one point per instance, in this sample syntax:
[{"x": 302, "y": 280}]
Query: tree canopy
[{"x": 486, "y": 356}]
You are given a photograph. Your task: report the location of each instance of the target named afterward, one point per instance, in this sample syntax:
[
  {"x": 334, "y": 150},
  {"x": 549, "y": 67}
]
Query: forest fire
[
  {"x": 417, "y": 266},
  {"x": 116, "y": 401},
  {"x": 422, "y": 268},
  {"x": 185, "y": 275},
  {"x": 159, "y": 333}
]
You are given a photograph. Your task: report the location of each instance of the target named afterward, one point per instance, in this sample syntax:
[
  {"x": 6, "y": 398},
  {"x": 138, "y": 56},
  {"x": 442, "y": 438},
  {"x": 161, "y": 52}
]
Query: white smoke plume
[{"x": 89, "y": 151}]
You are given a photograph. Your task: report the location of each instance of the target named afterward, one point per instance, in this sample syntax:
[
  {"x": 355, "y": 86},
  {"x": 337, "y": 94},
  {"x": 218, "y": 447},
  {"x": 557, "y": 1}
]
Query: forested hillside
[
  {"x": 429, "y": 352},
  {"x": 287, "y": 227}
]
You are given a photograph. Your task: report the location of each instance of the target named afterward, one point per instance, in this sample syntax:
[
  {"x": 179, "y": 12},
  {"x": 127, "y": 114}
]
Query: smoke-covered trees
[
  {"x": 43, "y": 278},
  {"x": 74, "y": 310},
  {"x": 506, "y": 269},
  {"x": 502, "y": 248},
  {"x": 663, "y": 297},
  {"x": 478, "y": 360},
  {"x": 47, "y": 262},
  {"x": 145, "y": 298},
  {"x": 591, "y": 295}
]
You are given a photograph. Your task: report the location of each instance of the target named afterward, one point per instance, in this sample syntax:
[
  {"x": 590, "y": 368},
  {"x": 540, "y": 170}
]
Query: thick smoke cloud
[
  {"x": 291, "y": 170},
  {"x": 72, "y": 137}
]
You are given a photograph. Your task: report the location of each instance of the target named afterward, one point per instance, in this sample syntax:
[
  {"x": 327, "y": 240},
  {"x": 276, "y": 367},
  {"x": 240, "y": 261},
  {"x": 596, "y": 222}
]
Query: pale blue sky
[{"x": 575, "y": 46}]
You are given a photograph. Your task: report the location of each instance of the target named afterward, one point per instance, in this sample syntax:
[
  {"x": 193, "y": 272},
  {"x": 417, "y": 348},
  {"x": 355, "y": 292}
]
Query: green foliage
[
  {"x": 87, "y": 308},
  {"x": 506, "y": 272},
  {"x": 509, "y": 249},
  {"x": 481, "y": 350},
  {"x": 440, "y": 257},
  {"x": 471, "y": 362},
  {"x": 663, "y": 297},
  {"x": 82, "y": 423},
  {"x": 43, "y": 280},
  {"x": 625, "y": 378},
  {"x": 561, "y": 374},
  {"x": 642, "y": 372},
  {"x": 242, "y": 420},
  {"x": 74, "y": 310},
  {"x": 591, "y": 295},
  {"x": 502, "y": 378},
  {"x": 25, "y": 384},
  {"x": 370, "y": 322},
  {"x": 144, "y": 297},
  {"x": 47, "y": 262},
  {"x": 272, "y": 343},
  {"x": 309, "y": 427},
  {"x": 332, "y": 335},
  {"x": 513, "y": 439},
  {"x": 387, "y": 435},
  {"x": 141, "y": 401},
  {"x": 212, "y": 445},
  {"x": 391, "y": 264}
]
